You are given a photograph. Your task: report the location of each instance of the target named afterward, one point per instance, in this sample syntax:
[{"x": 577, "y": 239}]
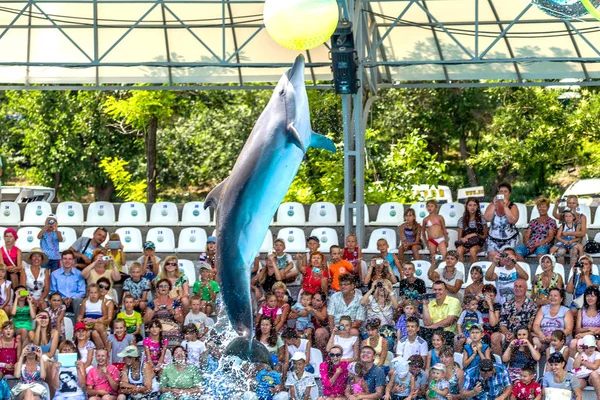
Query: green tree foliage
[{"x": 127, "y": 188}]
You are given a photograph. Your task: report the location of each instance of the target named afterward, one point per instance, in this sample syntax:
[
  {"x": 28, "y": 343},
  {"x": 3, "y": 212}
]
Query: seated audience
[
  {"x": 12, "y": 256},
  {"x": 84, "y": 248},
  {"x": 346, "y": 302},
  {"x": 587, "y": 363},
  {"x": 520, "y": 352},
  {"x": 587, "y": 321},
  {"x": 472, "y": 231},
  {"x": 505, "y": 271},
  {"x": 546, "y": 280},
  {"x": 179, "y": 380},
  {"x": 410, "y": 236},
  {"x": 381, "y": 303},
  {"x": 503, "y": 215},
  {"x": 551, "y": 317},
  {"x": 488, "y": 381},
  {"x": 540, "y": 232},
  {"x": 137, "y": 377},
  {"x": 342, "y": 336},
  {"x": 559, "y": 378},
  {"x": 449, "y": 274},
  {"x": 442, "y": 312},
  {"x": 580, "y": 218},
  {"x": 36, "y": 278},
  {"x": 567, "y": 242},
  {"x": 411, "y": 287},
  {"x": 581, "y": 278},
  {"x": 379, "y": 270}
]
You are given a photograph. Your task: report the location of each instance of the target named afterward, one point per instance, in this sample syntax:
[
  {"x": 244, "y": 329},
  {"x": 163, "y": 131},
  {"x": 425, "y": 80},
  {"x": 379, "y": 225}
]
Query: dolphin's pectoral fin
[
  {"x": 213, "y": 198},
  {"x": 321, "y": 142},
  {"x": 295, "y": 137}
]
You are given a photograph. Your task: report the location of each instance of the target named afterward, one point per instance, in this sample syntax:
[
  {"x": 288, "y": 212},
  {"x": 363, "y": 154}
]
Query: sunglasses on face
[
  {"x": 172, "y": 263},
  {"x": 163, "y": 286},
  {"x": 105, "y": 287},
  {"x": 335, "y": 354}
]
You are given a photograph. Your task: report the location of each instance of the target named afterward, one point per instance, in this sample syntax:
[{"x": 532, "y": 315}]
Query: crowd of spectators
[{"x": 357, "y": 328}]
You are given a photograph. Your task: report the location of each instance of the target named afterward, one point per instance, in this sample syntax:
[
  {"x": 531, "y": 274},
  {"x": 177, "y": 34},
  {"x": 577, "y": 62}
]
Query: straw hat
[{"x": 37, "y": 250}]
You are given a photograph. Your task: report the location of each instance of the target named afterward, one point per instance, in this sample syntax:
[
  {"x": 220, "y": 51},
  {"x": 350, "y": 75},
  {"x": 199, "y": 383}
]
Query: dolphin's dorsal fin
[
  {"x": 213, "y": 198},
  {"x": 295, "y": 137},
  {"x": 321, "y": 142}
]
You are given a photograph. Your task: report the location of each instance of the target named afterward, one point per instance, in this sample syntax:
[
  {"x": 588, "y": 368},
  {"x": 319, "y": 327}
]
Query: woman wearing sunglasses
[
  {"x": 107, "y": 297},
  {"x": 334, "y": 374},
  {"x": 180, "y": 288},
  {"x": 167, "y": 311}
]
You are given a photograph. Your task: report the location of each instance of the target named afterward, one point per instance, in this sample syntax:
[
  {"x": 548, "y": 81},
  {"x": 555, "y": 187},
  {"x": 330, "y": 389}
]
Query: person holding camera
[
  {"x": 503, "y": 215},
  {"x": 84, "y": 247},
  {"x": 101, "y": 267},
  {"x": 489, "y": 381},
  {"x": 381, "y": 302},
  {"x": 581, "y": 278},
  {"x": 30, "y": 370},
  {"x": 50, "y": 238},
  {"x": 505, "y": 271},
  {"x": 379, "y": 270}
]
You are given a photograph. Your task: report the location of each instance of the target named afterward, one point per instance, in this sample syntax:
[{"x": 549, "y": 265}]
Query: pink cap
[{"x": 11, "y": 230}]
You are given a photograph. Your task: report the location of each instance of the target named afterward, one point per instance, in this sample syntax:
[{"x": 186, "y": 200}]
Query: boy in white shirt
[
  {"x": 412, "y": 344},
  {"x": 197, "y": 317},
  {"x": 192, "y": 345}
]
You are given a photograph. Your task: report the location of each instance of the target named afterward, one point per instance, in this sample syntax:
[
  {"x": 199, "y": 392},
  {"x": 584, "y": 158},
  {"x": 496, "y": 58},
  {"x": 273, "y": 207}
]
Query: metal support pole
[
  {"x": 348, "y": 158},
  {"x": 359, "y": 128}
]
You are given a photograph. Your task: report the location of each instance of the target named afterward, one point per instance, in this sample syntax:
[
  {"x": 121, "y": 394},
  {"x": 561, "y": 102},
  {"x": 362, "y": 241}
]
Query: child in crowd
[
  {"x": 587, "y": 359},
  {"x": 475, "y": 288},
  {"x": 519, "y": 353},
  {"x": 155, "y": 346},
  {"x": 526, "y": 388},
  {"x": 118, "y": 341},
  {"x": 4, "y": 389},
  {"x": 411, "y": 287},
  {"x": 353, "y": 254},
  {"x": 23, "y": 312},
  {"x": 338, "y": 267},
  {"x": 475, "y": 351},
  {"x": 132, "y": 318},
  {"x": 409, "y": 309},
  {"x": 383, "y": 247},
  {"x": 468, "y": 317},
  {"x": 295, "y": 344},
  {"x": 378, "y": 343},
  {"x": 267, "y": 380},
  {"x": 269, "y": 309},
  {"x": 10, "y": 348},
  {"x": 312, "y": 244},
  {"x": 284, "y": 261},
  {"x": 5, "y": 288},
  {"x": 438, "y": 386},
  {"x": 92, "y": 313},
  {"x": 197, "y": 317},
  {"x": 565, "y": 241},
  {"x": 192, "y": 345},
  {"x": 415, "y": 366},
  {"x": 149, "y": 262},
  {"x": 207, "y": 288},
  {"x": 558, "y": 341},
  {"x": 410, "y": 235},
  {"x": 85, "y": 347},
  {"x": 302, "y": 311},
  {"x": 435, "y": 234},
  {"x": 356, "y": 380},
  {"x": 412, "y": 343},
  {"x": 137, "y": 286},
  {"x": 118, "y": 255},
  {"x": 57, "y": 311},
  {"x": 437, "y": 342},
  {"x": 299, "y": 382},
  {"x": 343, "y": 337},
  {"x": 50, "y": 238},
  {"x": 401, "y": 383}
]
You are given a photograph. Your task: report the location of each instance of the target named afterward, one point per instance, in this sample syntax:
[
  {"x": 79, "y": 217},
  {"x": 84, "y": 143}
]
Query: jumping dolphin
[{"x": 246, "y": 201}]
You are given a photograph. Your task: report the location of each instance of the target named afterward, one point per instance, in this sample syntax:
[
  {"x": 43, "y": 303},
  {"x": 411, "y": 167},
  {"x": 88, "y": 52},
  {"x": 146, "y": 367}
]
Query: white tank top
[{"x": 32, "y": 283}]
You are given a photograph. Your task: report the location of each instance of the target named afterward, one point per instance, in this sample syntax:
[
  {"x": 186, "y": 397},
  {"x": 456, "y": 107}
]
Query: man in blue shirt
[
  {"x": 374, "y": 376},
  {"x": 488, "y": 381},
  {"x": 68, "y": 282}
]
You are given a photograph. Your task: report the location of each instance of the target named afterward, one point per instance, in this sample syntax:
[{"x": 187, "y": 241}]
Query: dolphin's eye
[{"x": 281, "y": 92}]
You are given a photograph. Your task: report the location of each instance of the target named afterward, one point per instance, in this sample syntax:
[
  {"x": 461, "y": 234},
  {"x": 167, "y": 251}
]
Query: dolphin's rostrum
[{"x": 246, "y": 201}]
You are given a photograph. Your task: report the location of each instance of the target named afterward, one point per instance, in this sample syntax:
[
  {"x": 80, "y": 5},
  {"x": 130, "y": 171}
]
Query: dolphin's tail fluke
[{"x": 249, "y": 349}]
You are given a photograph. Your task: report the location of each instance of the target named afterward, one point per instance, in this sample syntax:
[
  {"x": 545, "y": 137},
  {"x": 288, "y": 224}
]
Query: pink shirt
[
  {"x": 98, "y": 382},
  {"x": 339, "y": 386}
]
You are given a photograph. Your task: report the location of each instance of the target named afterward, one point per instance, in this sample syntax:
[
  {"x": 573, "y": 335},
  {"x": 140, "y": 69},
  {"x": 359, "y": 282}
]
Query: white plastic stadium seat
[
  {"x": 484, "y": 266},
  {"x": 11, "y": 214},
  {"x": 522, "y": 222},
  {"x": 28, "y": 238},
  {"x": 316, "y": 358},
  {"x": 421, "y": 269},
  {"x": 191, "y": 240},
  {"x": 68, "y": 328},
  {"x": 497, "y": 359},
  {"x": 390, "y": 214},
  {"x": 388, "y": 234},
  {"x": 558, "y": 268},
  {"x": 585, "y": 210},
  {"x": 69, "y": 213},
  {"x": 420, "y": 211},
  {"x": 131, "y": 239},
  {"x": 89, "y": 232},
  {"x": 322, "y": 214},
  {"x": 294, "y": 239},
  {"x": 452, "y": 238},
  {"x": 69, "y": 237},
  {"x": 291, "y": 214},
  {"x": 596, "y": 224},
  {"x": 535, "y": 213},
  {"x": 365, "y": 212},
  {"x": 327, "y": 236},
  {"x": 163, "y": 239},
  {"x": 36, "y": 213},
  {"x": 188, "y": 268},
  {"x": 2, "y": 229},
  {"x": 452, "y": 212},
  {"x": 194, "y": 214},
  {"x": 132, "y": 213},
  {"x": 164, "y": 214},
  {"x": 458, "y": 358},
  {"x": 267, "y": 244},
  {"x": 100, "y": 213}
]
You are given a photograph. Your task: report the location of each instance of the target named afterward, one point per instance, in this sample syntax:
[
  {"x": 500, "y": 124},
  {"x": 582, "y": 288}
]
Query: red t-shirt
[
  {"x": 311, "y": 282},
  {"x": 529, "y": 392},
  {"x": 337, "y": 269}
]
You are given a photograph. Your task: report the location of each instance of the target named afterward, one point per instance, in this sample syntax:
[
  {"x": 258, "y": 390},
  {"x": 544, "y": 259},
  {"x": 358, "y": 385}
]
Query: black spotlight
[{"x": 343, "y": 57}]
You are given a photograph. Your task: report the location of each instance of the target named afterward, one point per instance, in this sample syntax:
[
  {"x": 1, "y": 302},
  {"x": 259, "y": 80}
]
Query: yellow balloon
[{"x": 301, "y": 24}]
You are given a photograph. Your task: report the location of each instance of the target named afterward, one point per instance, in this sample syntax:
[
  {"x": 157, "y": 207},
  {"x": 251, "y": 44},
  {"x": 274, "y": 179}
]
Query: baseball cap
[
  {"x": 589, "y": 341},
  {"x": 149, "y": 245},
  {"x": 79, "y": 325},
  {"x": 316, "y": 239},
  {"x": 129, "y": 351},
  {"x": 299, "y": 356},
  {"x": 204, "y": 265},
  {"x": 401, "y": 367},
  {"x": 486, "y": 365},
  {"x": 211, "y": 239},
  {"x": 440, "y": 367},
  {"x": 477, "y": 327}
]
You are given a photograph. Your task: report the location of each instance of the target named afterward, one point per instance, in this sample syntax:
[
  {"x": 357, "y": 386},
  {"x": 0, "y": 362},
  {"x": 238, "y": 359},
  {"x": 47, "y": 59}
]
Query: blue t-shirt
[
  {"x": 390, "y": 258},
  {"x": 4, "y": 390},
  {"x": 266, "y": 380},
  {"x": 477, "y": 359},
  {"x": 374, "y": 378},
  {"x": 581, "y": 286}
]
